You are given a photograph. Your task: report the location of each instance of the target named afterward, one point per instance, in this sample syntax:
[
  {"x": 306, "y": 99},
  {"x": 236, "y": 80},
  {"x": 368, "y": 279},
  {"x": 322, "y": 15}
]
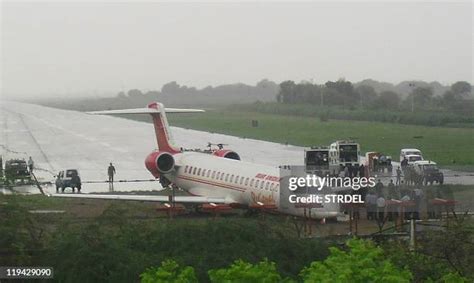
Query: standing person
[
  {"x": 399, "y": 176},
  {"x": 391, "y": 189},
  {"x": 379, "y": 187},
  {"x": 362, "y": 170},
  {"x": 381, "y": 210},
  {"x": 371, "y": 205},
  {"x": 418, "y": 195},
  {"x": 31, "y": 164},
  {"x": 111, "y": 173}
]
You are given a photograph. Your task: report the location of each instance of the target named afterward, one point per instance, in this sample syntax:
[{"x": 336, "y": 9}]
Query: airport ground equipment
[
  {"x": 343, "y": 154},
  {"x": 426, "y": 172},
  {"x": 316, "y": 160},
  {"x": 68, "y": 179},
  {"x": 378, "y": 163},
  {"x": 16, "y": 171}
]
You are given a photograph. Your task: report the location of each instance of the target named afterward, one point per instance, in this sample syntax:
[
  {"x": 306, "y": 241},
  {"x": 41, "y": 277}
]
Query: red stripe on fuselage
[{"x": 225, "y": 186}]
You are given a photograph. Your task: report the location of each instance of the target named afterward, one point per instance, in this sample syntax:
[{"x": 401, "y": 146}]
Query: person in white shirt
[
  {"x": 30, "y": 164},
  {"x": 381, "y": 209}
]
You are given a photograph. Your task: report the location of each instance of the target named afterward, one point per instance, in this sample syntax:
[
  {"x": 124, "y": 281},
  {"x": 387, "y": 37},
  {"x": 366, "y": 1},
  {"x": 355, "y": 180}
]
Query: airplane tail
[{"x": 158, "y": 112}]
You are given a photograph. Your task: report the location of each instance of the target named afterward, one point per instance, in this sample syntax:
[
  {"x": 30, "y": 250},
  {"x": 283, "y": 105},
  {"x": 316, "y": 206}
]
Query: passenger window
[
  {"x": 261, "y": 185},
  {"x": 256, "y": 183},
  {"x": 267, "y": 185},
  {"x": 213, "y": 174},
  {"x": 231, "y": 178},
  {"x": 204, "y": 172},
  {"x": 241, "y": 180},
  {"x": 251, "y": 182},
  {"x": 226, "y": 177},
  {"x": 199, "y": 172},
  {"x": 208, "y": 173},
  {"x": 186, "y": 169},
  {"x": 194, "y": 170},
  {"x": 246, "y": 181}
]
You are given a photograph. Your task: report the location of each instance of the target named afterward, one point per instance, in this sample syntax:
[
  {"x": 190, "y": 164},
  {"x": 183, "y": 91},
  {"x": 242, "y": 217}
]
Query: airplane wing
[
  {"x": 144, "y": 111},
  {"x": 152, "y": 198}
]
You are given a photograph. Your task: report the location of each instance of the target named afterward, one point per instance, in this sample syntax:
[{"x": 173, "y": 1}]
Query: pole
[
  {"x": 412, "y": 234},
  {"x": 412, "y": 85}
]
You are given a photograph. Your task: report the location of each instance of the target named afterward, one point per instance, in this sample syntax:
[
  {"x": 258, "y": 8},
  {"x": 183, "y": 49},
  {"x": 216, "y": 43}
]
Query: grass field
[{"x": 446, "y": 146}]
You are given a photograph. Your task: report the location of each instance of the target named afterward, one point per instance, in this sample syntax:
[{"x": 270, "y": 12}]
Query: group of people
[
  {"x": 380, "y": 210},
  {"x": 349, "y": 171},
  {"x": 110, "y": 171}
]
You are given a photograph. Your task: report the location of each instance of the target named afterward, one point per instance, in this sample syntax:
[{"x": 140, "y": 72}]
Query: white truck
[
  {"x": 406, "y": 152},
  {"x": 343, "y": 154}
]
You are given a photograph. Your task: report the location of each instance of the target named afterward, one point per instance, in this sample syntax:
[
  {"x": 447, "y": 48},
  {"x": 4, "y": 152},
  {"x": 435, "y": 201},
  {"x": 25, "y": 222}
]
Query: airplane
[{"x": 216, "y": 178}]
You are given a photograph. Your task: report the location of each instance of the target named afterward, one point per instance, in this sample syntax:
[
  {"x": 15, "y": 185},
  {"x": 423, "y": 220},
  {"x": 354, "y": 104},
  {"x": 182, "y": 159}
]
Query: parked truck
[
  {"x": 343, "y": 154},
  {"x": 316, "y": 160},
  {"x": 426, "y": 172}
]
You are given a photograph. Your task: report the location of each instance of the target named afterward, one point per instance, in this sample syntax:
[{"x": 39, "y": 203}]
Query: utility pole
[
  {"x": 412, "y": 85},
  {"x": 322, "y": 97}
]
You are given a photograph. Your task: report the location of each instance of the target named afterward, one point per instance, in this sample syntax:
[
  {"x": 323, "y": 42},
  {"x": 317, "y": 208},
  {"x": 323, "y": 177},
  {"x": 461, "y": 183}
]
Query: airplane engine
[
  {"x": 226, "y": 153},
  {"x": 159, "y": 162}
]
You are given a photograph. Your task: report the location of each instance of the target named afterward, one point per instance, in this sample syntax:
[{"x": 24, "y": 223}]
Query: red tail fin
[
  {"x": 162, "y": 131},
  {"x": 158, "y": 112}
]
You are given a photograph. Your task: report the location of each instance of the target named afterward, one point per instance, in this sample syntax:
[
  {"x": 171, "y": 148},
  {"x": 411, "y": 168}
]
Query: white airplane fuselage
[
  {"x": 218, "y": 174},
  {"x": 239, "y": 181}
]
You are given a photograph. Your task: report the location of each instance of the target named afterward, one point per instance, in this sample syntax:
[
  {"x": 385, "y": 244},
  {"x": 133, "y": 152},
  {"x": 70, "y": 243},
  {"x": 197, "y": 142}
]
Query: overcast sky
[{"x": 93, "y": 48}]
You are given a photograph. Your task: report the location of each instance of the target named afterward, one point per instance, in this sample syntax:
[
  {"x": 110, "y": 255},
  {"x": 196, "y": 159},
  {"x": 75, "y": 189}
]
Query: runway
[{"x": 63, "y": 139}]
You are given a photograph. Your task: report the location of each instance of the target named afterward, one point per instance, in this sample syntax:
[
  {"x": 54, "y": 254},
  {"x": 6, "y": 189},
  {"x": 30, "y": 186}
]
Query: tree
[
  {"x": 388, "y": 100},
  {"x": 420, "y": 97},
  {"x": 461, "y": 88},
  {"x": 169, "y": 271},
  {"x": 241, "y": 271},
  {"x": 135, "y": 93},
  {"x": 366, "y": 94},
  {"x": 363, "y": 262},
  {"x": 346, "y": 94},
  {"x": 170, "y": 88},
  {"x": 287, "y": 92}
]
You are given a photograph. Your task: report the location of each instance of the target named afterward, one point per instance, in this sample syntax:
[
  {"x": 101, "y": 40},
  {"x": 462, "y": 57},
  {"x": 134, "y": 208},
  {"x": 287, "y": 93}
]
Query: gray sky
[{"x": 92, "y": 48}]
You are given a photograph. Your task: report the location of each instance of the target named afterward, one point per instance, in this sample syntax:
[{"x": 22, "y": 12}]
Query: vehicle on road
[
  {"x": 343, "y": 154},
  {"x": 378, "y": 163},
  {"x": 405, "y": 152},
  {"x": 412, "y": 158},
  {"x": 68, "y": 179},
  {"x": 316, "y": 160},
  {"x": 427, "y": 172},
  {"x": 16, "y": 170}
]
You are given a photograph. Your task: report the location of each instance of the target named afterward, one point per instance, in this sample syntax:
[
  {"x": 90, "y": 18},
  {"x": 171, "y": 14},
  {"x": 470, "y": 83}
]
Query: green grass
[{"x": 446, "y": 146}]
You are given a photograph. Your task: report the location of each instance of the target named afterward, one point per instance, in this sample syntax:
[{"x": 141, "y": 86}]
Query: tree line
[{"x": 345, "y": 94}]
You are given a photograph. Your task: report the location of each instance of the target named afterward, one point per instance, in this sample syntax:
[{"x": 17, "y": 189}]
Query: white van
[{"x": 410, "y": 151}]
